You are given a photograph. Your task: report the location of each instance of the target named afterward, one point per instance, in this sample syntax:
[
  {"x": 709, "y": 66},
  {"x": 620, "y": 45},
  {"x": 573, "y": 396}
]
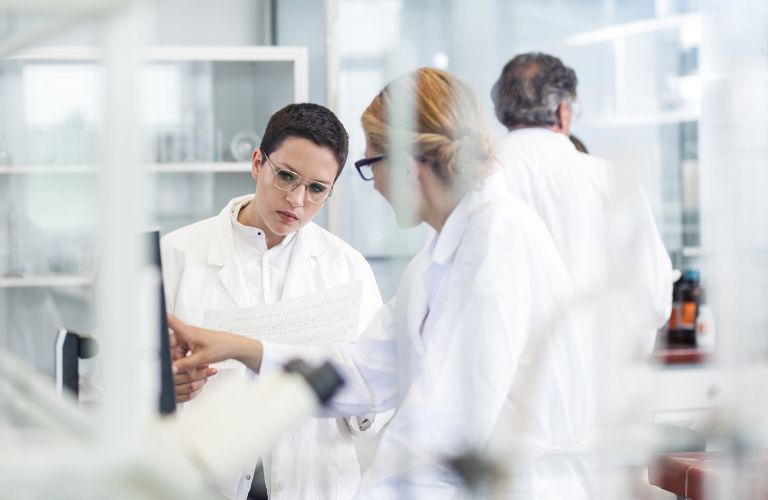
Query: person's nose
[{"x": 296, "y": 196}]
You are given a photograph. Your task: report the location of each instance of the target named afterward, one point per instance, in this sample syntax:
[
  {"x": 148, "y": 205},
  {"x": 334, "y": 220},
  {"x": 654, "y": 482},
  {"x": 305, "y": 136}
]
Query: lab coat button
[
  {"x": 280, "y": 486},
  {"x": 247, "y": 477}
]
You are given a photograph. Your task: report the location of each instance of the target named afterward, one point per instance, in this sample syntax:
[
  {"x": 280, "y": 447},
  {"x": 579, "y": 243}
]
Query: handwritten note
[{"x": 323, "y": 318}]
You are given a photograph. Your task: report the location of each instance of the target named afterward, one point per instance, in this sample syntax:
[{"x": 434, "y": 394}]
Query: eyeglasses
[
  {"x": 365, "y": 166},
  {"x": 288, "y": 180}
]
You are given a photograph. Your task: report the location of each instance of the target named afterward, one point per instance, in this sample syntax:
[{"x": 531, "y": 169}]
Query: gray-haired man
[{"x": 601, "y": 222}]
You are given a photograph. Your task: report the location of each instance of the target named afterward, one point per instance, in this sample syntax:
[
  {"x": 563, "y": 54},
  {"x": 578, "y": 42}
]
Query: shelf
[
  {"x": 693, "y": 252},
  {"x": 230, "y": 166},
  {"x": 51, "y": 280},
  {"x": 46, "y": 169},
  {"x": 634, "y": 119},
  {"x": 232, "y": 53},
  {"x": 226, "y": 166},
  {"x": 299, "y": 56},
  {"x": 55, "y": 17},
  {"x": 619, "y": 31}
]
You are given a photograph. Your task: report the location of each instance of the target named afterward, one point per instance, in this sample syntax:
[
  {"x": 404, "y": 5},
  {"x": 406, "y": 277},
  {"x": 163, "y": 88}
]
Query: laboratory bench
[
  {"x": 682, "y": 356},
  {"x": 702, "y": 475}
]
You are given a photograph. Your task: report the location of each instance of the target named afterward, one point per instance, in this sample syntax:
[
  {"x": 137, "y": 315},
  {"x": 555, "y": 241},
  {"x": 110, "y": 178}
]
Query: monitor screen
[{"x": 167, "y": 400}]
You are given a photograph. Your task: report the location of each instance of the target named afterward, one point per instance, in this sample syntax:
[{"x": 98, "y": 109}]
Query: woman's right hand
[
  {"x": 210, "y": 346},
  {"x": 204, "y": 346}
]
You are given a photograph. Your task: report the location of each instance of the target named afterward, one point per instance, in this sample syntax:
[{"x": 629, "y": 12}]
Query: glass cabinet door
[{"x": 202, "y": 112}]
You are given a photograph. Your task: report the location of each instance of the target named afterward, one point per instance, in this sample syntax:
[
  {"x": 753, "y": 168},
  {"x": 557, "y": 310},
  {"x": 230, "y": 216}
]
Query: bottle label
[
  {"x": 688, "y": 317},
  {"x": 683, "y": 316}
]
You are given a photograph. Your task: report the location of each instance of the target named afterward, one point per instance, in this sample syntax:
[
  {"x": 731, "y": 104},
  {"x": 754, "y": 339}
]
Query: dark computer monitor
[
  {"x": 71, "y": 347},
  {"x": 167, "y": 400}
]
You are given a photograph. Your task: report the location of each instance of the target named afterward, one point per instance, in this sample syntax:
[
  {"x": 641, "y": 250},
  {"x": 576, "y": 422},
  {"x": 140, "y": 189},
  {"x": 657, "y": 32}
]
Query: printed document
[{"x": 322, "y": 318}]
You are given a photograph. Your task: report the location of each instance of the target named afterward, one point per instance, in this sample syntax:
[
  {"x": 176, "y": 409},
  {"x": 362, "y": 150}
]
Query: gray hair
[{"x": 530, "y": 89}]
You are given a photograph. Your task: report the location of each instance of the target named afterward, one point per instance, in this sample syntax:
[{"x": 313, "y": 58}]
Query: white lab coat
[
  {"x": 603, "y": 227},
  {"x": 201, "y": 272},
  {"x": 457, "y": 347},
  {"x": 599, "y": 218}
]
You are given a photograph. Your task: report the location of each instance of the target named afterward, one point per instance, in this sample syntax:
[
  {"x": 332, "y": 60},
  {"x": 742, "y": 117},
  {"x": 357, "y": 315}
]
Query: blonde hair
[{"x": 448, "y": 131}]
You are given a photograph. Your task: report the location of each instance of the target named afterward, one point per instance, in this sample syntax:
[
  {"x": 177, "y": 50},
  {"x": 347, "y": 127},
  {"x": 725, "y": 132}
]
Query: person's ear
[
  {"x": 417, "y": 169},
  {"x": 564, "y": 116},
  {"x": 257, "y": 161}
]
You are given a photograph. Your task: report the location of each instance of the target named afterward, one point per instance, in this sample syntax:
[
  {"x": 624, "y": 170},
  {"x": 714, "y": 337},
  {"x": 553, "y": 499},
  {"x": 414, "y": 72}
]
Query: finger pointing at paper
[{"x": 210, "y": 346}]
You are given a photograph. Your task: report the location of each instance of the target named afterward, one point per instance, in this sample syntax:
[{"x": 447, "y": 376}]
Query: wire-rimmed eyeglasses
[{"x": 288, "y": 180}]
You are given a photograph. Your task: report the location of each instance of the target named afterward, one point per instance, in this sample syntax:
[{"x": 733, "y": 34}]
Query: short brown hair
[{"x": 309, "y": 121}]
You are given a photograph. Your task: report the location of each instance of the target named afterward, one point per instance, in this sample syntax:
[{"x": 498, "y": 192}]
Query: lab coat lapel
[
  {"x": 221, "y": 253},
  {"x": 303, "y": 265},
  {"x": 416, "y": 304},
  {"x": 438, "y": 253}
]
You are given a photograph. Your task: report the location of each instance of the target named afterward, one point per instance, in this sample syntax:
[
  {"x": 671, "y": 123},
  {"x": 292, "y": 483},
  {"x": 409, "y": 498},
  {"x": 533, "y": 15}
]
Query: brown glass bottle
[{"x": 686, "y": 298}]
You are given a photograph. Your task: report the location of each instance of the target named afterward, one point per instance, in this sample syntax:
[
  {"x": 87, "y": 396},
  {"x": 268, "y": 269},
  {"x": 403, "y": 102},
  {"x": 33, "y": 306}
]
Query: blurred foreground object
[
  {"x": 52, "y": 448},
  {"x": 696, "y": 475}
]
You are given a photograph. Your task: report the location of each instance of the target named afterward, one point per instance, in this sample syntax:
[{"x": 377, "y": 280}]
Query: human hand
[
  {"x": 189, "y": 384},
  {"x": 200, "y": 346}
]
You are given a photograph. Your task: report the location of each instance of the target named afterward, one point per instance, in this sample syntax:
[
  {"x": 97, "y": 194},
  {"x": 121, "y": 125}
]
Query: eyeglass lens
[{"x": 288, "y": 181}]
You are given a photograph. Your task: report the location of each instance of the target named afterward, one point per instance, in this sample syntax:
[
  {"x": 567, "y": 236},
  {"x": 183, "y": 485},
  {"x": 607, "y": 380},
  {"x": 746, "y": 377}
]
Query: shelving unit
[
  {"x": 207, "y": 96},
  {"x": 623, "y": 30},
  {"x": 66, "y": 184},
  {"x": 227, "y": 166},
  {"x": 215, "y": 92},
  {"x": 241, "y": 166},
  {"x": 688, "y": 28},
  {"x": 52, "y": 281},
  {"x": 635, "y": 119},
  {"x": 644, "y": 107},
  {"x": 296, "y": 55},
  {"x": 657, "y": 102}
]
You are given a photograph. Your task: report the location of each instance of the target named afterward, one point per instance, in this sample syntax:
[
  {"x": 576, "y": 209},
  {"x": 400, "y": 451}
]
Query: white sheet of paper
[{"x": 322, "y": 318}]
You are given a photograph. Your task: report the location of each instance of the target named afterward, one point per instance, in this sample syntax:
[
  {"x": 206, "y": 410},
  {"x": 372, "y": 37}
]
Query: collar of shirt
[
  {"x": 537, "y": 135},
  {"x": 255, "y": 237},
  {"x": 264, "y": 270},
  {"x": 445, "y": 243}
]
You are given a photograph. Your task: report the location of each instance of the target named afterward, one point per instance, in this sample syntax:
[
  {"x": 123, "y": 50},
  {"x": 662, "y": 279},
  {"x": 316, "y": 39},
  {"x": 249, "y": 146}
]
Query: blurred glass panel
[
  {"x": 673, "y": 93},
  {"x": 201, "y": 120},
  {"x": 639, "y": 90},
  {"x": 50, "y": 132}
]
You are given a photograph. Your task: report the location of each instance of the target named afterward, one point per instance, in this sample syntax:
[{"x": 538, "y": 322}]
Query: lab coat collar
[
  {"x": 221, "y": 253},
  {"x": 538, "y": 135},
  {"x": 222, "y": 248},
  {"x": 309, "y": 246},
  {"x": 445, "y": 243},
  {"x": 307, "y": 250}
]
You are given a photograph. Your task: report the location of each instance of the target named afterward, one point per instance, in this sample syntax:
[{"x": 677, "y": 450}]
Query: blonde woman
[{"x": 451, "y": 349}]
